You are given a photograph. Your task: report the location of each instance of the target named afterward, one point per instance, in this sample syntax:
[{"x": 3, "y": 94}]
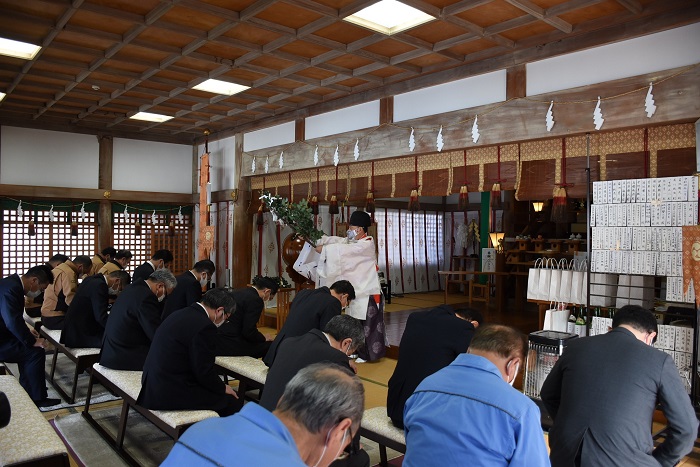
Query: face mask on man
[
  {"x": 33, "y": 293},
  {"x": 351, "y": 234},
  {"x": 203, "y": 280},
  {"x": 162, "y": 297},
  {"x": 113, "y": 291},
  {"x": 517, "y": 368}
]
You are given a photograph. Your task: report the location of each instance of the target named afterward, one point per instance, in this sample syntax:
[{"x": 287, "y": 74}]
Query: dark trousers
[
  {"x": 53, "y": 322},
  {"x": 241, "y": 348},
  {"x": 31, "y": 362},
  {"x": 233, "y": 406}
]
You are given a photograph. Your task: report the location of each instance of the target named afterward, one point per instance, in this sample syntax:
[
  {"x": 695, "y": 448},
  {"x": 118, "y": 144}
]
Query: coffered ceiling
[{"x": 102, "y": 61}]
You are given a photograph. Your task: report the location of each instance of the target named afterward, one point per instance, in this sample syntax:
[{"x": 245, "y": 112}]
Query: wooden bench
[
  {"x": 29, "y": 439},
  {"x": 82, "y": 357},
  {"x": 377, "y": 426},
  {"x": 127, "y": 385},
  {"x": 250, "y": 372}
]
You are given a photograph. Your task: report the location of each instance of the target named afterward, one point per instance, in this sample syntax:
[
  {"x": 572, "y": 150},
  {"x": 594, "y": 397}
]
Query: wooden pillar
[
  {"x": 386, "y": 110},
  {"x": 516, "y": 81},
  {"x": 241, "y": 252},
  {"x": 105, "y": 229},
  {"x": 300, "y": 129}
]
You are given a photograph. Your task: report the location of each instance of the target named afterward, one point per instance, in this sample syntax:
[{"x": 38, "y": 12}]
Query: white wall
[
  {"x": 268, "y": 137},
  {"x": 48, "y": 158},
  {"x": 655, "y": 52},
  {"x": 456, "y": 95},
  {"x": 222, "y": 162},
  {"x": 339, "y": 121},
  {"x": 149, "y": 166}
]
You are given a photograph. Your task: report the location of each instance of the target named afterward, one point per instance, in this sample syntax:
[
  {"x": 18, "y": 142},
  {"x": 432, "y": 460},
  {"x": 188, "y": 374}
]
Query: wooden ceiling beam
[
  {"x": 462, "y": 5},
  {"x": 632, "y": 5},
  {"x": 571, "y": 5},
  {"x": 539, "y": 13},
  {"x": 479, "y": 31},
  {"x": 214, "y": 10},
  {"x": 315, "y": 7},
  {"x": 513, "y": 23},
  {"x": 257, "y": 7}
]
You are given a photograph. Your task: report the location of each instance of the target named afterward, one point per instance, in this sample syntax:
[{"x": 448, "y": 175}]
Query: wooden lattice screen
[
  {"x": 20, "y": 251},
  {"x": 154, "y": 237}
]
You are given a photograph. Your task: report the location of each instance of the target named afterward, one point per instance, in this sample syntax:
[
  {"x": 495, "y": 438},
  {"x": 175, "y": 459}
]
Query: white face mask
[
  {"x": 33, "y": 293},
  {"x": 325, "y": 446},
  {"x": 351, "y": 234},
  {"x": 162, "y": 297},
  {"x": 203, "y": 280},
  {"x": 517, "y": 368},
  {"x": 112, "y": 291}
]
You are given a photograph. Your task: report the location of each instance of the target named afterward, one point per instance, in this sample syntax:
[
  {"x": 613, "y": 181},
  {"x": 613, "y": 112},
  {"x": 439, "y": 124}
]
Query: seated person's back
[
  {"x": 312, "y": 309},
  {"x": 133, "y": 321},
  {"x": 431, "y": 340},
  {"x": 86, "y": 318},
  {"x": 179, "y": 373}
]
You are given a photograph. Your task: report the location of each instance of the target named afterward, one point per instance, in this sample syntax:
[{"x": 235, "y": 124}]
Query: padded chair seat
[
  {"x": 29, "y": 320},
  {"x": 28, "y": 436},
  {"x": 176, "y": 418},
  {"x": 127, "y": 381},
  {"x": 248, "y": 367},
  {"x": 55, "y": 335},
  {"x": 377, "y": 421}
]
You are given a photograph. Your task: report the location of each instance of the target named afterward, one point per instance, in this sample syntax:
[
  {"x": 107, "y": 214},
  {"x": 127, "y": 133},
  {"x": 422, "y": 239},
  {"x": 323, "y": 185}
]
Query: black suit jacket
[
  {"x": 142, "y": 272},
  {"x": 86, "y": 318},
  {"x": 602, "y": 393},
  {"x": 187, "y": 292},
  {"x": 130, "y": 328},
  {"x": 311, "y": 309},
  {"x": 297, "y": 353},
  {"x": 241, "y": 328},
  {"x": 431, "y": 340},
  {"x": 179, "y": 371},
  {"x": 14, "y": 333}
]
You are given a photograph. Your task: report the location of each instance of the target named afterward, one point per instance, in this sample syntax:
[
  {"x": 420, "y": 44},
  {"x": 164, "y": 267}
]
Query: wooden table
[{"x": 499, "y": 282}]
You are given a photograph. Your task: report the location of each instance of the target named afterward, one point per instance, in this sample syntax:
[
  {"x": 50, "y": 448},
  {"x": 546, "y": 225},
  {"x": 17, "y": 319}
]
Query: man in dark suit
[
  {"x": 239, "y": 336},
  {"x": 312, "y": 309},
  {"x": 431, "y": 340},
  {"x": 19, "y": 344},
  {"x": 161, "y": 259},
  {"x": 341, "y": 337},
  {"x": 133, "y": 321},
  {"x": 179, "y": 371},
  {"x": 86, "y": 318},
  {"x": 189, "y": 287},
  {"x": 602, "y": 393}
]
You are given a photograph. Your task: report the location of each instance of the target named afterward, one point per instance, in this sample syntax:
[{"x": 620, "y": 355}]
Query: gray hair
[
  {"x": 123, "y": 276},
  {"x": 321, "y": 395},
  {"x": 220, "y": 297},
  {"x": 342, "y": 327},
  {"x": 164, "y": 276}
]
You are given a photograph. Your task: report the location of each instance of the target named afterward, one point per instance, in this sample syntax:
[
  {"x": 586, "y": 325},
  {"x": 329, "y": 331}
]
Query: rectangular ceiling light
[
  {"x": 149, "y": 117},
  {"x": 18, "y": 49},
  {"x": 2, "y": 96},
  {"x": 220, "y": 87},
  {"x": 389, "y": 17}
]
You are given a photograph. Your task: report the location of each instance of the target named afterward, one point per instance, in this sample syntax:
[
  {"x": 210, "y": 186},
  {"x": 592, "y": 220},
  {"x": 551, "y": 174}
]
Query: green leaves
[{"x": 297, "y": 216}]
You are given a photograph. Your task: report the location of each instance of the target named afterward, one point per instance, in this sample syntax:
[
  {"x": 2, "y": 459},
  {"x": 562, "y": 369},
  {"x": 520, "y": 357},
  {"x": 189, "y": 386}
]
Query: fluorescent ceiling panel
[
  {"x": 18, "y": 49},
  {"x": 216, "y": 86},
  {"x": 389, "y": 17},
  {"x": 149, "y": 117},
  {"x": 2, "y": 96}
]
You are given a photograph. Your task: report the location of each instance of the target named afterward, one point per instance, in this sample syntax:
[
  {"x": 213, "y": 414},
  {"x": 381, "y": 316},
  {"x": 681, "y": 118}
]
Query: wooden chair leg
[
  {"x": 89, "y": 393},
  {"x": 75, "y": 384},
  {"x": 121, "y": 431},
  {"x": 53, "y": 363},
  {"x": 383, "y": 460}
]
